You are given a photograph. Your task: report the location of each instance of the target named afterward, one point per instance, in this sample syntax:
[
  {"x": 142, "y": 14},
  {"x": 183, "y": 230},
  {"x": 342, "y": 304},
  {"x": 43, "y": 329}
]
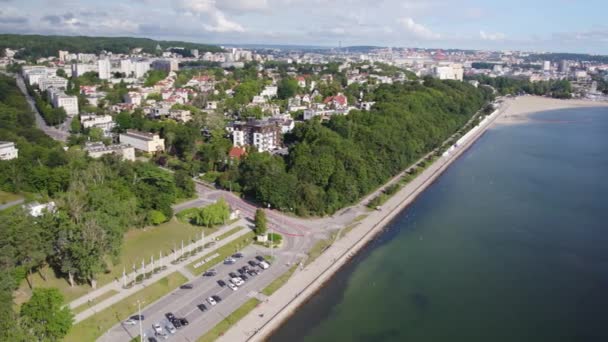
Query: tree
[
  {"x": 260, "y": 222},
  {"x": 214, "y": 214},
  {"x": 45, "y": 316},
  {"x": 75, "y": 125},
  {"x": 184, "y": 184},
  {"x": 288, "y": 87}
]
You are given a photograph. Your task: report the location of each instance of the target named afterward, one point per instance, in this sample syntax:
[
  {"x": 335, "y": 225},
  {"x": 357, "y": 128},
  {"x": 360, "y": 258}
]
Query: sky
[{"x": 530, "y": 25}]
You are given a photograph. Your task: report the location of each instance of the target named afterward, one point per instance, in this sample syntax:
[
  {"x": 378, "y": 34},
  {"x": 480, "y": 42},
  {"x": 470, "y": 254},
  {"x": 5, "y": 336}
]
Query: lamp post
[
  {"x": 141, "y": 330},
  {"x": 271, "y": 242}
]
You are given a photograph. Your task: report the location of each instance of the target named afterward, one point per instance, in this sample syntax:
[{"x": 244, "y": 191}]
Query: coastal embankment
[{"x": 270, "y": 314}]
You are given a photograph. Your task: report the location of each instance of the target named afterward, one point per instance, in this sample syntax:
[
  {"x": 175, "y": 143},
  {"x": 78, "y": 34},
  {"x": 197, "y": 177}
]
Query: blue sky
[{"x": 533, "y": 25}]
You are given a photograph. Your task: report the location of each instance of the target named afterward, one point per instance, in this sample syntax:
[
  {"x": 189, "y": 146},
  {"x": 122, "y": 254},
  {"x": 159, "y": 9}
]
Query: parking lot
[{"x": 183, "y": 302}]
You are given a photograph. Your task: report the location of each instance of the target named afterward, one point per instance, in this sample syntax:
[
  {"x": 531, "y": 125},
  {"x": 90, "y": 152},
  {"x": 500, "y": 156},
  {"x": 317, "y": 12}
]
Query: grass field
[
  {"x": 95, "y": 301},
  {"x": 93, "y": 327},
  {"x": 6, "y": 197},
  {"x": 279, "y": 282},
  {"x": 138, "y": 244},
  {"x": 229, "y": 321},
  {"x": 319, "y": 247},
  {"x": 224, "y": 252}
]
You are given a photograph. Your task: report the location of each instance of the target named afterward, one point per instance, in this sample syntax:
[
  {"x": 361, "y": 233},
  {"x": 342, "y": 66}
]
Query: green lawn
[
  {"x": 280, "y": 281},
  {"x": 319, "y": 247},
  {"x": 229, "y": 321},
  {"x": 138, "y": 244},
  {"x": 93, "y": 327},
  {"x": 224, "y": 252},
  {"x": 6, "y": 197},
  {"x": 95, "y": 301}
]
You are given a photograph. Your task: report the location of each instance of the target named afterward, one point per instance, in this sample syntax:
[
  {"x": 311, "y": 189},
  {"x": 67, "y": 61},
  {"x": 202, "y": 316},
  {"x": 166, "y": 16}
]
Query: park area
[{"x": 139, "y": 244}]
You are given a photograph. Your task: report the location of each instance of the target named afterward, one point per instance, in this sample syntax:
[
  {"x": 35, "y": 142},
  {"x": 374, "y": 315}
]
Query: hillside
[{"x": 42, "y": 46}]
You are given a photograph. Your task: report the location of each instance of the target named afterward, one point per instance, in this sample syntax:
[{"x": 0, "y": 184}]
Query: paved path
[
  {"x": 304, "y": 283},
  {"x": 11, "y": 204},
  {"x": 166, "y": 261}
]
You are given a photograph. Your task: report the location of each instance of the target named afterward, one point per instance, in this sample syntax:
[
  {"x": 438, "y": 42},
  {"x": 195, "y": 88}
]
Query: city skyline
[{"x": 557, "y": 26}]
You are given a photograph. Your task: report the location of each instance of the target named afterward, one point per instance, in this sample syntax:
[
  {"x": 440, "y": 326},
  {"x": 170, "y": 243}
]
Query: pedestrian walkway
[{"x": 123, "y": 293}]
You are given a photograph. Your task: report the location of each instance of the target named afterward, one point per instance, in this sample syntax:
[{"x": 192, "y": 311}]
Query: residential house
[
  {"x": 103, "y": 122},
  {"x": 145, "y": 142},
  {"x": 98, "y": 149}
]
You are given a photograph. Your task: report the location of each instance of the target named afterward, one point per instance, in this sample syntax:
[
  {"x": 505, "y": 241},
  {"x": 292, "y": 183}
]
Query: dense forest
[
  {"x": 560, "y": 89},
  {"x": 333, "y": 164},
  {"x": 96, "y": 200},
  {"x": 36, "y": 46}
]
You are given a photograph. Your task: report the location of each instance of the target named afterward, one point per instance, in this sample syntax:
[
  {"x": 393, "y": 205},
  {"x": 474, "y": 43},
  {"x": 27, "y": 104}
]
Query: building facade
[
  {"x": 8, "y": 150},
  {"x": 98, "y": 149},
  {"x": 264, "y": 135},
  {"x": 145, "y": 142}
]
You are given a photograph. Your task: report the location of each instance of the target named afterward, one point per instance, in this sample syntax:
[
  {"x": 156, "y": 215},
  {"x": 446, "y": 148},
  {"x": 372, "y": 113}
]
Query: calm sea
[{"x": 510, "y": 244}]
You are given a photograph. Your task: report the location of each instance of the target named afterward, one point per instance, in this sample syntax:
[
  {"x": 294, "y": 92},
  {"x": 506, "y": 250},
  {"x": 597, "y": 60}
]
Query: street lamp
[
  {"x": 271, "y": 242},
  {"x": 141, "y": 331}
]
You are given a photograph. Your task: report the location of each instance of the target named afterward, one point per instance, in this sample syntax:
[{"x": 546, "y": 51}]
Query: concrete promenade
[{"x": 269, "y": 315}]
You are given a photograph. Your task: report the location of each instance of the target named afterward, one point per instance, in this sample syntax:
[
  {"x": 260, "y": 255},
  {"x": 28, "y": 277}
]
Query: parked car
[
  {"x": 211, "y": 301},
  {"x": 252, "y": 263},
  {"x": 264, "y": 265},
  {"x": 244, "y": 277},
  {"x": 157, "y": 328},
  {"x": 229, "y": 261},
  {"x": 186, "y": 286},
  {"x": 237, "y": 281},
  {"x": 170, "y": 328},
  {"x": 252, "y": 273},
  {"x": 217, "y": 298},
  {"x": 130, "y": 322},
  {"x": 233, "y": 275},
  {"x": 202, "y": 307},
  {"x": 210, "y": 273},
  {"x": 260, "y": 258},
  {"x": 184, "y": 321},
  {"x": 177, "y": 324},
  {"x": 241, "y": 271},
  {"x": 233, "y": 287},
  {"x": 138, "y": 317},
  {"x": 237, "y": 255},
  {"x": 170, "y": 316},
  {"x": 152, "y": 339},
  {"x": 221, "y": 283}
]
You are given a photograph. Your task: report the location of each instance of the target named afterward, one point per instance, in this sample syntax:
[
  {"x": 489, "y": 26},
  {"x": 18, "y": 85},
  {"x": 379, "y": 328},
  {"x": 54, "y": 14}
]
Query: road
[
  {"x": 183, "y": 302},
  {"x": 57, "y": 134}
]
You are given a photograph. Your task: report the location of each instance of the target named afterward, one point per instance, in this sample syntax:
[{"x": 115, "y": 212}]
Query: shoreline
[{"x": 261, "y": 322}]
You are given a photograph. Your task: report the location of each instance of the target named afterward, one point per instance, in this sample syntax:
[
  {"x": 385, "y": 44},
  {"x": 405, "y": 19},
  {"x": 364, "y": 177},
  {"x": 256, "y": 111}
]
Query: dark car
[
  {"x": 241, "y": 271},
  {"x": 252, "y": 273},
  {"x": 138, "y": 317},
  {"x": 184, "y": 321},
  {"x": 202, "y": 307},
  {"x": 244, "y": 277},
  {"x": 233, "y": 275},
  {"x": 210, "y": 273},
  {"x": 176, "y": 323},
  {"x": 217, "y": 298},
  {"x": 170, "y": 316},
  {"x": 252, "y": 263},
  {"x": 260, "y": 258},
  {"x": 152, "y": 339},
  {"x": 186, "y": 287},
  {"x": 237, "y": 255},
  {"x": 221, "y": 283}
]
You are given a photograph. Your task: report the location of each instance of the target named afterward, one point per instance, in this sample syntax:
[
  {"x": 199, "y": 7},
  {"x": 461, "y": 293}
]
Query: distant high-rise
[
  {"x": 547, "y": 66},
  {"x": 564, "y": 66},
  {"x": 104, "y": 68}
]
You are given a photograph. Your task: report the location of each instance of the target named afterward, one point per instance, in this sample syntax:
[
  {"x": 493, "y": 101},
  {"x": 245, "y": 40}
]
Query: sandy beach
[
  {"x": 519, "y": 108},
  {"x": 304, "y": 283}
]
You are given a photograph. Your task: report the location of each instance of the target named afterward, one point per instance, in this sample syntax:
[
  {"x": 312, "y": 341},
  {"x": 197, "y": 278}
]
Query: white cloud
[
  {"x": 492, "y": 36},
  {"x": 217, "y": 21},
  {"x": 241, "y": 6},
  {"x": 418, "y": 30}
]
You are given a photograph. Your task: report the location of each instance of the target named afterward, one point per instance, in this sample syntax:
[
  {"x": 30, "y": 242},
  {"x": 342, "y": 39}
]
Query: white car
[
  {"x": 157, "y": 328},
  {"x": 232, "y": 287},
  {"x": 211, "y": 301},
  {"x": 237, "y": 281},
  {"x": 170, "y": 328},
  {"x": 130, "y": 322},
  {"x": 264, "y": 265}
]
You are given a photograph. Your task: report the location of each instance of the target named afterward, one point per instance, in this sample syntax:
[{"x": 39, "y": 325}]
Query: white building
[
  {"x": 146, "y": 142},
  {"x": 63, "y": 55},
  {"x": 449, "y": 72},
  {"x": 80, "y": 69},
  {"x": 32, "y": 74},
  {"x": 269, "y": 91},
  {"x": 141, "y": 68},
  {"x": 103, "y": 122},
  {"x": 98, "y": 149},
  {"x": 56, "y": 82},
  {"x": 546, "y": 66},
  {"x": 104, "y": 68},
  {"x": 127, "y": 67},
  {"x": 60, "y": 99},
  {"x": 87, "y": 57},
  {"x": 8, "y": 150}
]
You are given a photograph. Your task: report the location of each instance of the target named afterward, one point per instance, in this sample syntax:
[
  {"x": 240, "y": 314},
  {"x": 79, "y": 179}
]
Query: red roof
[
  {"x": 340, "y": 99},
  {"x": 237, "y": 152}
]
